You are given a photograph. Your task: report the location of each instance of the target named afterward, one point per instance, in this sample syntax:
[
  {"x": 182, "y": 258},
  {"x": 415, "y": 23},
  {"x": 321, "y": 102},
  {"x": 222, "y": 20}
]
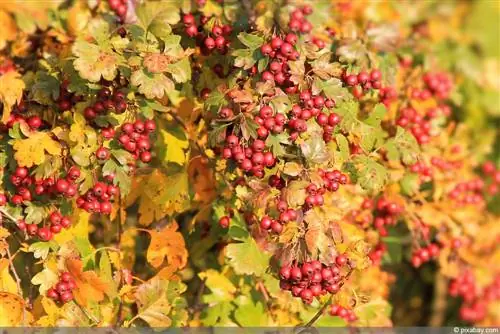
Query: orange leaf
[
  {"x": 89, "y": 287},
  {"x": 167, "y": 243}
]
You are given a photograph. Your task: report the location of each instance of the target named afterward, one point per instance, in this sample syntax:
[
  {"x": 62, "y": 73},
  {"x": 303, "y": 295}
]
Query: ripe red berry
[
  {"x": 32, "y": 229},
  {"x": 295, "y": 274},
  {"x": 21, "y": 172},
  {"x": 146, "y": 156},
  {"x": 44, "y": 234},
  {"x": 34, "y": 122},
  {"x": 224, "y": 222},
  {"x": 66, "y": 296},
  {"x": 21, "y": 224},
  {"x": 74, "y": 173},
  {"x": 188, "y": 19},
  {"x": 105, "y": 207},
  {"x": 192, "y": 31},
  {"x": 375, "y": 75},
  {"x": 276, "y": 227},
  {"x": 291, "y": 38},
  {"x": 16, "y": 200},
  {"x": 150, "y": 125},
  {"x": 102, "y": 153},
  {"x": 341, "y": 260},
  {"x": 3, "y": 199},
  {"x": 266, "y": 49},
  {"x": 276, "y": 43},
  {"x": 65, "y": 222},
  {"x": 285, "y": 272},
  {"x": 209, "y": 43},
  {"x": 52, "y": 294},
  {"x": 55, "y": 228},
  {"x": 62, "y": 186}
]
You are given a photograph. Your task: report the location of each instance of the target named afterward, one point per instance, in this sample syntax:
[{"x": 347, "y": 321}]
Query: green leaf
[
  {"x": 221, "y": 288},
  {"x": 343, "y": 146},
  {"x": 275, "y": 141},
  {"x": 93, "y": 62},
  {"x": 156, "y": 16},
  {"x": 348, "y": 110},
  {"x": 156, "y": 300},
  {"x": 218, "y": 314},
  {"x": 403, "y": 146},
  {"x": 376, "y": 115},
  {"x": 105, "y": 270},
  {"x": 122, "y": 156},
  {"x": 332, "y": 88},
  {"x": 409, "y": 183},
  {"x": 34, "y": 213},
  {"x": 216, "y": 98},
  {"x": 251, "y": 41},
  {"x": 249, "y": 314},
  {"x": 180, "y": 71},
  {"x": 151, "y": 85},
  {"x": 247, "y": 258},
  {"x": 372, "y": 175},
  {"x": 281, "y": 104},
  {"x": 45, "y": 90}
]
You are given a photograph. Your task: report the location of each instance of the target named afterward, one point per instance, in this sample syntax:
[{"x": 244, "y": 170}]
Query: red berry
[
  {"x": 285, "y": 272},
  {"x": 62, "y": 186},
  {"x": 341, "y": 260},
  {"x": 105, "y": 207},
  {"x": 145, "y": 156},
  {"x": 44, "y": 234},
  {"x": 295, "y": 274},
  {"x": 266, "y": 49},
  {"x": 52, "y": 294},
  {"x": 150, "y": 125},
  {"x": 188, "y": 19},
  {"x": 32, "y": 229},
  {"x": 209, "y": 43},
  {"x": 21, "y": 172},
  {"x": 66, "y": 296},
  {"x": 102, "y": 153},
  {"x": 265, "y": 223},
  {"x": 65, "y": 222},
  {"x": 55, "y": 228},
  {"x": 34, "y": 122},
  {"x": 224, "y": 222},
  {"x": 276, "y": 227},
  {"x": 16, "y": 200}
]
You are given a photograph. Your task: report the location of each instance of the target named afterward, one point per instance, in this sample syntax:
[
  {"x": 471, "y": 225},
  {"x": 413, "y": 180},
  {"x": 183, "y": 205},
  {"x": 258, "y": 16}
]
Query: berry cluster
[
  {"x": 468, "y": 192},
  {"x": 106, "y": 102},
  {"x": 298, "y": 21},
  {"x": 216, "y": 39},
  {"x": 280, "y": 214},
  {"x": 424, "y": 254},
  {"x": 27, "y": 185},
  {"x": 424, "y": 171},
  {"x": 135, "y": 139},
  {"x": 98, "y": 199},
  {"x": 476, "y": 299},
  {"x": 440, "y": 84},
  {"x": 119, "y": 7},
  {"x": 280, "y": 50},
  {"x": 251, "y": 159},
  {"x": 363, "y": 81},
  {"x": 66, "y": 99},
  {"x": 62, "y": 291},
  {"x": 490, "y": 170},
  {"x": 386, "y": 214},
  {"x": 312, "y": 279},
  {"x": 377, "y": 253},
  {"x": 342, "y": 312},
  {"x": 420, "y": 126},
  {"x": 445, "y": 165},
  {"x": 46, "y": 233}
]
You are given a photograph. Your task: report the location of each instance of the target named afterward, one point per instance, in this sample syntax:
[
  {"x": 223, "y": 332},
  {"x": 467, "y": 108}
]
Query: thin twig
[
  {"x": 325, "y": 305},
  {"x": 14, "y": 272},
  {"x": 118, "y": 246},
  {"x": 439, "y": 303}
]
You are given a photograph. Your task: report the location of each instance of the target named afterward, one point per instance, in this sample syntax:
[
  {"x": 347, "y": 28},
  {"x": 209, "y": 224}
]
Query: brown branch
[
  {"x": 440, "y": 301},
  {"x": 118, "y": 246},
  {"x": 247, "y": 5},
  {"x": 14, "y": 272}
]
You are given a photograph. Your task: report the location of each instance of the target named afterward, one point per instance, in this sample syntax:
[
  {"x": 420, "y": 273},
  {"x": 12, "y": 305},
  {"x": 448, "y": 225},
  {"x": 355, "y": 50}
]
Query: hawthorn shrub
[{"x": 249, "y": 163}]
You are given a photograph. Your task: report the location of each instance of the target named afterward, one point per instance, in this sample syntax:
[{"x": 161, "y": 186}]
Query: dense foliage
[{"x": 249, "y": 163}]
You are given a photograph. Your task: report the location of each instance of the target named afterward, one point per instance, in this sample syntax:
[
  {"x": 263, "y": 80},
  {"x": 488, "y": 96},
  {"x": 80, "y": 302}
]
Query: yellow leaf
[
  {"x": 89, "y": 287},
  {"x": 159, "y": 195},
  {"x": 46, "y": 278},
  {"x": 78, "y": 17},
  {"x": 222, "y": 288},
  {"x": 8, "y": 30},
  {"x": 167, "y": 243},
  {"x": 79, "y": 227},
  {"x": 7, "y": 283},
  {"x": 11, "y": 92},
  {"x": 52, "y": 313},
  {"x": 31, "y": 151},
  {"x": 176, "y": 146},
  {"x": 11, "y": 310}
]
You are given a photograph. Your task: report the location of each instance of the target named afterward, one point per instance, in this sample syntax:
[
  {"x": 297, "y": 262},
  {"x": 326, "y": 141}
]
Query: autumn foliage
[{"x": 249, "y": 163}]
